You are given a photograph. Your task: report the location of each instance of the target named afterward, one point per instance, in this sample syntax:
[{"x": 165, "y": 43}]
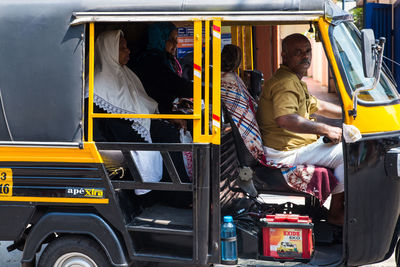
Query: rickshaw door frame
[{"x": 199, "y": 121}]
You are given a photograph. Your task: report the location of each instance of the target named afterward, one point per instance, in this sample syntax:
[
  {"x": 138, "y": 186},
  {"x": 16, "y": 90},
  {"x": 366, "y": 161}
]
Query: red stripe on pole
[
  {"x": 215, "y": 117},
  {"x": 196, "y": 67},
  {"x": 216, "y": 28}
]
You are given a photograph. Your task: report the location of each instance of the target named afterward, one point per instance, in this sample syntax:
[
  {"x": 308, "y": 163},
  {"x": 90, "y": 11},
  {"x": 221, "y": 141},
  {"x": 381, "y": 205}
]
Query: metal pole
[
  {"x": 197, "y": 77},
  {"x": 216, "y": 83},
  {"x": 91, "y": 82},
  {"x": 364, "y": 1},
  {"x": 343, "y": 4}
]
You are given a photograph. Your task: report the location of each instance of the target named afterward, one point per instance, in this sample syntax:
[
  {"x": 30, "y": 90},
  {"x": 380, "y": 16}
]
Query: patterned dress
[{"x": 242, "y": 109}]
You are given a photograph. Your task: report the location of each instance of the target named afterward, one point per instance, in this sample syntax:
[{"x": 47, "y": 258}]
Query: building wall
[
  {"x": 319, "y": 64},
  {"x": 265, "y": 49}
]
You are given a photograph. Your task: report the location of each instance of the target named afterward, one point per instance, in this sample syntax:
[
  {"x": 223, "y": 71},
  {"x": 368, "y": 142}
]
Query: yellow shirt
[{"x": 284, "y": 94}]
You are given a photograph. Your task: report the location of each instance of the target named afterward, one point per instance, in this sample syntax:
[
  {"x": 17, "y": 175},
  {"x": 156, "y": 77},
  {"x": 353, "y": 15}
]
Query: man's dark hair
[
  {"x": 231, "y": 58},
  {"x": 293, "y": 38}
]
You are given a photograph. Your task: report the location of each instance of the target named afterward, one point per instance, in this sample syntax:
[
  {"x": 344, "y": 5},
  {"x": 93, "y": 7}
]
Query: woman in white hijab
[{"x": 118, "y": 90}]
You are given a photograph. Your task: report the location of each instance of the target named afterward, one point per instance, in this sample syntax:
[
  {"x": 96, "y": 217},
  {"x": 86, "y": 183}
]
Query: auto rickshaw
[{"x": 56, "y": 189}]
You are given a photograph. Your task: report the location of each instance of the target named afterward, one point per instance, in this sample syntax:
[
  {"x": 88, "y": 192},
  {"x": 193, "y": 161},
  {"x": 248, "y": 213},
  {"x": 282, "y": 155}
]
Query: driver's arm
[
  {"x": 296, "y": 123},
  {"x": 328, "y": 110}
]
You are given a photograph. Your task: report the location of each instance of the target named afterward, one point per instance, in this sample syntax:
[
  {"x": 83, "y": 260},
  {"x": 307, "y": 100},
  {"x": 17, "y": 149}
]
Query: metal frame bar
[
  {"x": 235, "y": 40},
  {"x": 256, "y": 18},
  {"x": 197, "y": 75},
  {"x": 40, "y": 144},
  {"x": 195, "y": 13},
  {"x": 207, "y": 81},
  {"x": 160, "y": 230},
  {"x": 91, "y": 81},
  {"x": 165, "y": 259},
  {"x": 151, "y": 116},
  {"x": 161, "y": 186},
  {"x": 137, "y": 182},
  {"x": 267, "y": 16},
  {"x": 216, "y": 92},
  {"x": 173, "y": 174},
  {"x": 132, "y": 166},
  {"x": 195, "y": 209},
  {"x": 251, "y": 47},
  {"x": 215, "y": 227},
  {"x": 244, "y": 50},
  {"x": 144, "y": 146},
  {"x": 201, "y": 204}
]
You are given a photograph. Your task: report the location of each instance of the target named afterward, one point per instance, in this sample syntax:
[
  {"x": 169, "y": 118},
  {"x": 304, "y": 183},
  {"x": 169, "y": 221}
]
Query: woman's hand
[{"x": 179, "y": 123}]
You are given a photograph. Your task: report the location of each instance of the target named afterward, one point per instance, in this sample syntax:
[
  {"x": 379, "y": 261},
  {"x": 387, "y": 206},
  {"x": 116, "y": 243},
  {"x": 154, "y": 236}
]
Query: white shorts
[{"x": 318, "y": 153}]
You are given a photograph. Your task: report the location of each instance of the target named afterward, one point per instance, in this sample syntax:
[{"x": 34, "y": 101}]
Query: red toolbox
[{"x": 287, "y": 236}]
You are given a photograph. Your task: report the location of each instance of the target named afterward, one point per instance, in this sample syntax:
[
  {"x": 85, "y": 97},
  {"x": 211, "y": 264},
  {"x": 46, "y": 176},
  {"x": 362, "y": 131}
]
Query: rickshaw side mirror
[
  {"x": 372, "y": 55},
  {"x": 368, "y": 52}
]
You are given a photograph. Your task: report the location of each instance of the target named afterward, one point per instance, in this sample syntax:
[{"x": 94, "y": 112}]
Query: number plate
[{"x": 6, "y": 182}]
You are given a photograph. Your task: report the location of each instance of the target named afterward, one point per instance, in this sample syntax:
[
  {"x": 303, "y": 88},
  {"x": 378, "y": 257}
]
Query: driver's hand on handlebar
[{"x": 334, "y": 134}]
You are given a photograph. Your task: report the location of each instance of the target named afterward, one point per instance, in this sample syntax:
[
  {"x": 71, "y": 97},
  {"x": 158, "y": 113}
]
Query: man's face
[
  {"x": 123, "y": 51},
  {"x": 297, "y": 56}
]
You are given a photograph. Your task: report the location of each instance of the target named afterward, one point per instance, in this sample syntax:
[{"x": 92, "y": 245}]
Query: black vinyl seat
[
  {"x": 269, "y": 180},
  {"x": 266, "y": 180}
]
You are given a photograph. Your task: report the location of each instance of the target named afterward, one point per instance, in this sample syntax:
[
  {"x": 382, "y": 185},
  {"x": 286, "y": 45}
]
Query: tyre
[{"x": 73, "y": 251}]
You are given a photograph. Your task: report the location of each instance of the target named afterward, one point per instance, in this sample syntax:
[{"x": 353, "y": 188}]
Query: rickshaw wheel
[{"x": 68, "y": 251}]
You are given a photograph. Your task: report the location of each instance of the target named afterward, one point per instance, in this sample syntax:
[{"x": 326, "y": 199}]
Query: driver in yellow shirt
[{"x": 290, "y": 136}]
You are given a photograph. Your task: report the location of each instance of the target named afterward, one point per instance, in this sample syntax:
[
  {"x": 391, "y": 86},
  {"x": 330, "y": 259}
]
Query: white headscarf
[{"x": 116, "y": 88}]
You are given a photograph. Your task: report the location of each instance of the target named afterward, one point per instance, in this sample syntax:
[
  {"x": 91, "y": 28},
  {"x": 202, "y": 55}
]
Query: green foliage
[{"x": 358, "y": 17}]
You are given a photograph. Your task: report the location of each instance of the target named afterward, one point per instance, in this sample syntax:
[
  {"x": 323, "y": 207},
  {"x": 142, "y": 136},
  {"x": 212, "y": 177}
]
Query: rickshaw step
[
  {"x": 134, "y": 228},
  {"x": 163, "y": 219},
  {"x": 164, "y": 186},
  {"x": 167, "y": 258}
]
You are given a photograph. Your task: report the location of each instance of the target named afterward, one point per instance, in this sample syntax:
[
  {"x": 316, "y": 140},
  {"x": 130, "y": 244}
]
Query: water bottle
[{"x": 228, "y": 241}]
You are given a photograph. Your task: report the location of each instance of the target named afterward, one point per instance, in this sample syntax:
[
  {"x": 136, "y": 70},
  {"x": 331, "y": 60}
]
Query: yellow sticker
[
  {"x": 96, "y": 193},
  {"x": 286, "y": 243},
  {"x": 6, "y": 182}
]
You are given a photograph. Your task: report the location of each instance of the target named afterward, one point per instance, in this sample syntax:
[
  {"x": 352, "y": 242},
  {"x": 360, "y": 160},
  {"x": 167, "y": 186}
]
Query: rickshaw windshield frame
[{"x": 347, "y": 52}]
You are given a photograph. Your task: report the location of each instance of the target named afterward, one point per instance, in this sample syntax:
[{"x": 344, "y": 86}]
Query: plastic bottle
[{"x": 228, "y": 241}]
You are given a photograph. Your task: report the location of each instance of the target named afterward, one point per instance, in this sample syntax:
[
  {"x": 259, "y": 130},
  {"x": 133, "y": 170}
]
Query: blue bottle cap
[{"x": 228, "y": 219}]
